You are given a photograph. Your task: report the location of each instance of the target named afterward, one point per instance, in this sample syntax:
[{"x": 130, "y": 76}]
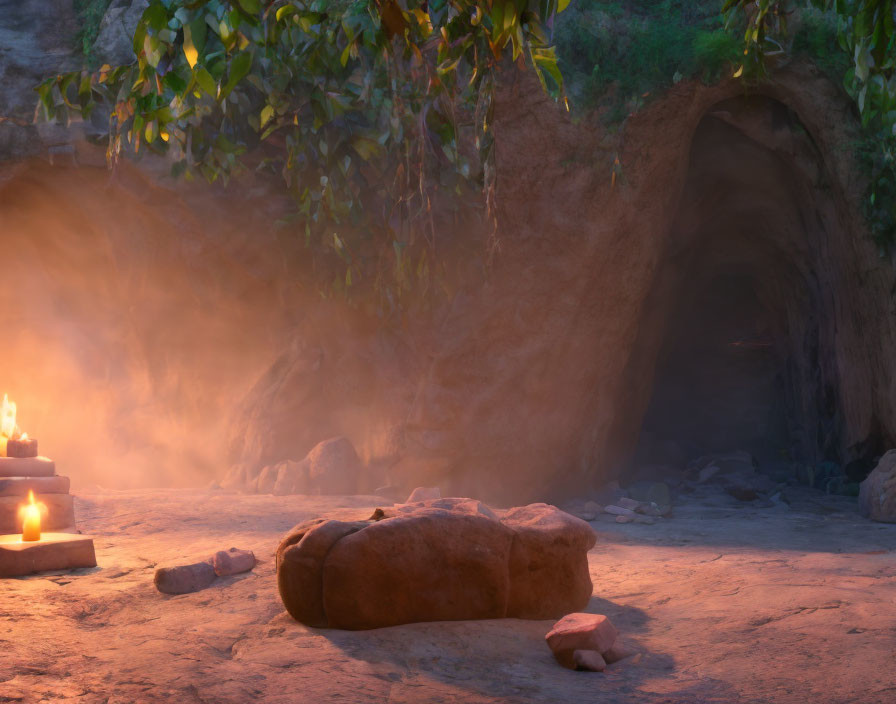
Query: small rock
[
  {"x": 625, "y": 519},
  {"x": 590, "y": 660},
  {"x": 650, "y": 509},
  {"x": 619, "y": 511},
  {"x": 707, "y": 473},
  {"x": 779, "y": 500},
  {"x": 423, "y": 493},
  {"x": 742, "y": 493},
  {"x": 618, "y": 652},
  {"x": 580, "y": 632},
  {"x": 233, "y": 561},
  {"x": 585, "y": 516},
  {"x": 628, "y": 503},
  {"x": 593, "y": 507},
  {"x": 647, "y": 492},
  {"x": 184, "y": 579}
]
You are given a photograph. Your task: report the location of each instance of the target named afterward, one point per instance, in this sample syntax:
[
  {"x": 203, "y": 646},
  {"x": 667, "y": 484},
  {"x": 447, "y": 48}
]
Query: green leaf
[
  {"x": 239, "y": 67},
  {"x": 205, "y": 80},
  {"x": 155, "y": 17},
  {"x": 250, "y": 7},
  {"x": 152, "y": 131},
  {"x": 286, "y": 11},
  {"x": 194, "y": 41},
  {"x": 497, "y": 17}
]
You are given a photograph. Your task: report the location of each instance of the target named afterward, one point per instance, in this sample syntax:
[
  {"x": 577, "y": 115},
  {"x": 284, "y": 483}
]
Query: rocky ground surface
[{"x": 726, "y": 600}]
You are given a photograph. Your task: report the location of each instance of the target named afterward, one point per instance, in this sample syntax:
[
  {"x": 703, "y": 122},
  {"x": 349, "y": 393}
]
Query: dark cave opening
[
  {"x": 719, "y": 384},
  {"x": 738, "y": 328}
]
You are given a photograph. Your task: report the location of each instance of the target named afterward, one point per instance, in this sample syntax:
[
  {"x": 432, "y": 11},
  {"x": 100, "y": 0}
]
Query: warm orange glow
[
  {"x": 8, "y": 428},
  {"x": 30, "y": 516},
  {"x": 8, "y": 417}
]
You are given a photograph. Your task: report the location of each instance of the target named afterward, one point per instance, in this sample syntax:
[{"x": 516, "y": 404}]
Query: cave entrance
[
  {"x": 719, "y": 383},
  {"x": 736, "y": 341}
]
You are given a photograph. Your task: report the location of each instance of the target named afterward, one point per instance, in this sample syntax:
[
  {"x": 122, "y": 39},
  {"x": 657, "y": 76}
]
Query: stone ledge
[
  {"x": 19, "y": 486},
  {"x": 54, "y": 551},
  {"x": 27, "y": 467}
]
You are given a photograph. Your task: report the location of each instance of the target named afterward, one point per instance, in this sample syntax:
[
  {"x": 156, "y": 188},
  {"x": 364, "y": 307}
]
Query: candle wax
[{"x": 31, "y": 525}]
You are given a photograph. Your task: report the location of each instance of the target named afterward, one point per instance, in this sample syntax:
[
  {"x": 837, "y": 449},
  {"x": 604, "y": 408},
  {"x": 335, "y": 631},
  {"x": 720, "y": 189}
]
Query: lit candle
[
  {"x": 21, "y": 446},
  {"x": 30, "y": 513},
  {"x": 7, "y": 423}
]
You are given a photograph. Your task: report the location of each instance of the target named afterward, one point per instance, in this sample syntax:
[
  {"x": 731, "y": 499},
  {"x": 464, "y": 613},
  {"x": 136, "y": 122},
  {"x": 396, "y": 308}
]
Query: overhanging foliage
[
  {"x": 368, "y": 108},
  {"x": 866, "y": 32}
]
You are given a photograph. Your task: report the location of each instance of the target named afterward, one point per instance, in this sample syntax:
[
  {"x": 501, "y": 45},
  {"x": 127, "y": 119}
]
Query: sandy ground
[{"x": 727, "y": 603}]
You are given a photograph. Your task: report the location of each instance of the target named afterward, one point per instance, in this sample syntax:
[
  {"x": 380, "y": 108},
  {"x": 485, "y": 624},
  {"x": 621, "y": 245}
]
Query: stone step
[
  {"x": 54, "y": 551},
  {"x": 19, "y": 486},
  {"x": 27, "y": 467},
  {"x": 60, "y": 512}
]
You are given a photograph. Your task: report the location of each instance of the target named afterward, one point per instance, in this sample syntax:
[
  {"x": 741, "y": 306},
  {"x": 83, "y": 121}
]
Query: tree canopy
[
  {"x": 366, "y": 107},
  {"x": 371, "y": 108},
  {"x": 865, "y": 30}
]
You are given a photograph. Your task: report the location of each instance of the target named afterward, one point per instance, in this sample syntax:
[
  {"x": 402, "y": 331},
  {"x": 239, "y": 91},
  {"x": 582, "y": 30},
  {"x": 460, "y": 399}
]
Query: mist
[{"x": 133, "y": 323}]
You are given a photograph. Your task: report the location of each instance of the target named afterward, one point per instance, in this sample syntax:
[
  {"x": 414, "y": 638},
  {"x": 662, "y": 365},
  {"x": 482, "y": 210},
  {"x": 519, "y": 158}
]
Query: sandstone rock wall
[
  {"x": 536, "y": 379},
  {"x": 546, "y": 377}
]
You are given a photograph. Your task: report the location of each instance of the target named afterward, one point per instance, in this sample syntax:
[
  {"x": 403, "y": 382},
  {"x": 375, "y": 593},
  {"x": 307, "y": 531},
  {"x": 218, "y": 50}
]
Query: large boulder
[
  {"x": 877, "y": 494},
  {"x": 437, "y": 560},
  {"x": 332, "y": 467},
  {"x": 288, "y": 478}
]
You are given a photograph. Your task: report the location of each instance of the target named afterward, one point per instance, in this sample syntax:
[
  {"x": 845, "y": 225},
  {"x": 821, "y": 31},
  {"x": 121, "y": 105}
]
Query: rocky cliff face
[
  {"x": 545, "y": 379},
  {"x": 37, "y": 39},
  {"x": 567, "y": 364}
]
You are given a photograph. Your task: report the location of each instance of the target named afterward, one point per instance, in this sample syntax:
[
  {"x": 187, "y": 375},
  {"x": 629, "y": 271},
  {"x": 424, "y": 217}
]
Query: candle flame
[{"x": 29, "y": 514}]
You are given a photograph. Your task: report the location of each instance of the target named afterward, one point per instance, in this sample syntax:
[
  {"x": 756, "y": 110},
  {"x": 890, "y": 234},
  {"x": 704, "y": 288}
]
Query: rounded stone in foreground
[{"x": 438, "y": 560}]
